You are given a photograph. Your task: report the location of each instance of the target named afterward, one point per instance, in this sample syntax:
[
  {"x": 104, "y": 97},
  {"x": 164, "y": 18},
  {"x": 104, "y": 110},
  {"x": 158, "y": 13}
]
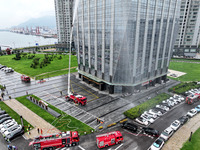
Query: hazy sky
[{"x": 14, "y": 12}]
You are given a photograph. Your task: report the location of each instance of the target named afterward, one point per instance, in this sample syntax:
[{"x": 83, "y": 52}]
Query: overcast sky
[{"x": 14, "y": 12}]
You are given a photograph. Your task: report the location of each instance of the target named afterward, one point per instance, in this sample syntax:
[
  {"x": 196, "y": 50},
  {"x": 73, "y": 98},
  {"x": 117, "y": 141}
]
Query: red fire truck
[
  {"x": 109, "y": 139},
  {"x": 25, "y": 78},
  {"x": 78, "y": 99},
  {"x": 51, "y": 142},
  {"x": 192, "y": 98}
]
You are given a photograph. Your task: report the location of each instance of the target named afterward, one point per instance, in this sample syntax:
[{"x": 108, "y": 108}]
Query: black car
[
  {"x": 183, "y": 119},
  {"x": 151, "y": 131},
  {"x": 129, "y": 126},
  {"x": 2, "y": 112},
  {"x": 159, "y": 109},
  {"x": 4, "y": 119}
]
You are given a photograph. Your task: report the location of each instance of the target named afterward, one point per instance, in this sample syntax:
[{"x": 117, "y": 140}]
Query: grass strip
[
  {"x": 14, "y": 115},
  {"x": 194, "y": 144},
  {"x": 138, "y": 110},
  {"x": 64, "y": 123}
]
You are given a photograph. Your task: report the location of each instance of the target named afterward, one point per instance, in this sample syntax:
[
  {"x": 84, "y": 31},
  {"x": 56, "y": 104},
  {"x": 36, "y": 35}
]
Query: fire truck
[
  {"x": 192, "y": 98},
  {"x": 51, "y": 142},
  {"x": 25, "y": 78},
  {"x": 76, "y": 98},
  {"x": 109, "y": 139}
]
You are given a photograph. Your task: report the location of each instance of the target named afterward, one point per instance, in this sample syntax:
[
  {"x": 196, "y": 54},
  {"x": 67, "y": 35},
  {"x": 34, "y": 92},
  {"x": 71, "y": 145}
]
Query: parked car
[
  {"x": 2, "y": 66},
  {"x": 152, "y": 115},
  {"x": 6, "y": 122},
  {"x": 3, "y": 116},
  {"x": 167, "y": 105},
  {"x": 167, "y": 133},
  {"x": 174, "y": 99},
  {"x": 8, "y": 70},
  {"x": 4, "y": 119},
  {"x": 156, "y": 112},
  {"x": 183, "y": 119},
  {"x": 148, "y": 118},
  {"x": 197, "y": 108},
  {"x": 163, "y": 107},
  {"x": 142, "y": 121},
  {"x": 9, "y": 127},
  {"x": 178, "y": 96},
  {"x": 129, "y": 126},
  {"x": 175, "y": 125},
  {"x": 159, "y": 109},
  {"x": 150, "y": 131},
  {"x": 192, "y": 113},
  {"x": 14, "y": 132},
  {"x": 2, "y": 112},
  {"x": 157, "y": 144}
]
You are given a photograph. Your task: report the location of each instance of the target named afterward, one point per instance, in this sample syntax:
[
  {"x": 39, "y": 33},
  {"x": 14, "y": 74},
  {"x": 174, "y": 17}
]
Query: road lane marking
[
  {"x": 119, "y": 146},
  {"x": 81, "y": 147}
]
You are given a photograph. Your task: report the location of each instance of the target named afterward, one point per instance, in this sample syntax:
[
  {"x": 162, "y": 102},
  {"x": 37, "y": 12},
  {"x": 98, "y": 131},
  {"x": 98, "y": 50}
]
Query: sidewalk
[
  {"x": 32, "y": 118},
  {"x": 182, "y": 135}
]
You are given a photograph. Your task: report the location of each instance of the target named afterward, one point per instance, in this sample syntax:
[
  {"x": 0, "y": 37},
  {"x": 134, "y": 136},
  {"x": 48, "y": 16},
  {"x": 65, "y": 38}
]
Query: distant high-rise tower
[
  {"x": 64, "y": 14},
  {"x": 125, "y": 43},
  {"x": 188, "y": 38}
]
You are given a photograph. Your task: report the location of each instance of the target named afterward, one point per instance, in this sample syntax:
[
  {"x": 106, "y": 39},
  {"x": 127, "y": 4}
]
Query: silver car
[
  {"x": 9, "y": 126},
  {"x": 14, "y": 132}
]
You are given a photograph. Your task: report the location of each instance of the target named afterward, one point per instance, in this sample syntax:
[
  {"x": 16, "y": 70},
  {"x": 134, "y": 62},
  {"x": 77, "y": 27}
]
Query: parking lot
[{"x": 100, "y": 105}]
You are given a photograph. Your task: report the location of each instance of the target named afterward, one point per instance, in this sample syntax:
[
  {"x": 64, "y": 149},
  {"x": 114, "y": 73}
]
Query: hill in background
[{"x": 47, "y": 21}]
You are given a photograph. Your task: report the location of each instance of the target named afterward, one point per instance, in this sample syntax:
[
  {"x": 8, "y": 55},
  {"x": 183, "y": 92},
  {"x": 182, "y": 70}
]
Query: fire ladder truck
[
  {"x": 191, "y": 99},
  {"x": 77, "y": 99},
  {"x": 109, "y": 139},
  {"x": 51, "y": 142}
]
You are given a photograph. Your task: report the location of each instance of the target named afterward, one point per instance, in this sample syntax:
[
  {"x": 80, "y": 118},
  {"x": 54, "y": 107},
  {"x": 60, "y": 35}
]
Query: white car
[
  {"x": 14, "y": 132},
  {"x": 158, "y": 113},
  {"x": 8, "y": 70},
  {"x": 175, "y": 125},
  {"x": 147, "y": 118},
  {"x": 142, "y": 121},
  {"x": 167, "y": 133},
  {"x": 157, "y": 144},
  {"x": 6, "y": 122},
  {"x": 178, "y": 96},
  {"x": 9, "y": 126},
  {"x": 163, "y": 107},
  {"x": 174, "y": 99},
  {"x": 170, "y": 102},
  {"x": 152, "y": 115},
  {"x": 192, "y": 113}
]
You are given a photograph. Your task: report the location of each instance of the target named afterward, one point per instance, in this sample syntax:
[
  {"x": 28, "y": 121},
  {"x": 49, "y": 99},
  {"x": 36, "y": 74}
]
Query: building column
[
  {"x": 159, "y": 39},
  {"x": 89, "y": 44},
  {"x": 112, "y": 38},
  {"x": 111, "y": 89},
  {"x": 95, "y": 39},
  {"x": 83, "y": 37},
  {"x": 103, "y": 40},
  {"x": 136, "y": 42},
  {"x": 171, "y": 40}
]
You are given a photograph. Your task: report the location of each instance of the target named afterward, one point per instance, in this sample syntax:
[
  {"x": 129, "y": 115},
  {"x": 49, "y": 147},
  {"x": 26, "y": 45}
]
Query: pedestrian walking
[
  {"x": 41, "y": 131},
  {"x": 29, "y": 127},
  {"x": 38, "y": 130},
  {"x": 61, "y": 93},
  {"x": 7, "y": 92},
  {"x": 4, "y": 86},
  {"x": 26, "y": 92}
]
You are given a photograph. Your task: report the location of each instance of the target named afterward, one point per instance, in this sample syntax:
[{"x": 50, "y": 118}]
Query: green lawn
[
  {"x": 23, "y": 66},
  {"x": 138, "y": 110},
  {"x": 194, "y": 144},
  {"x": 64, "y": 122},
  {"x": 192, "y": 70},
  {"x": 13, "y": 114}
]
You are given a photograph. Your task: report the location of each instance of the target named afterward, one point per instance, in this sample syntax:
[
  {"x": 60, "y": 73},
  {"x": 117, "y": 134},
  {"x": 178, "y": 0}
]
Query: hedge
[
  {"x": 183, "y": 87},
  {"x": 138, "y": 110}
]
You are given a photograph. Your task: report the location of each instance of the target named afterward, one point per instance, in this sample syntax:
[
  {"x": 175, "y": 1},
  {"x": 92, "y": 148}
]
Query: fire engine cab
[
  {"x": 192, "y": 98},
  {"x": 76, "y": 98},
  {"x": 109, "y": 139},
  {"x": 51, "y": 142},
  {"x": 25, "y": 78}
]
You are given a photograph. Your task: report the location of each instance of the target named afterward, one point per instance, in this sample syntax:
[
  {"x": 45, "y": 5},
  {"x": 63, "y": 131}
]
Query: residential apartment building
[
  {"x": 125, "y": 44},
  {"x": 188, "y": 39},
  {"x": 64, "y": 14}
]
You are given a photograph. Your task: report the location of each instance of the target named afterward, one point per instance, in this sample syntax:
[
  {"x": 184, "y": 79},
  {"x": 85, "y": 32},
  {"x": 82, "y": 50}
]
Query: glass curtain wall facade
[{"x": 125, "y": 42}]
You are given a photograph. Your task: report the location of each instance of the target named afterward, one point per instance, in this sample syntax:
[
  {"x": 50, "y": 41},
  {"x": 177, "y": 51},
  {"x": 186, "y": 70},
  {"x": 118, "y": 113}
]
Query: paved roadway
[{"x": 99, "y": 105}]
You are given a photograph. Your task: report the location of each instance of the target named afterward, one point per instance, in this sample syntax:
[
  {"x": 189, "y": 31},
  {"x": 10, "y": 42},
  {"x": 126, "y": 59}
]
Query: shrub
[{"x": 138, "y": 110}]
